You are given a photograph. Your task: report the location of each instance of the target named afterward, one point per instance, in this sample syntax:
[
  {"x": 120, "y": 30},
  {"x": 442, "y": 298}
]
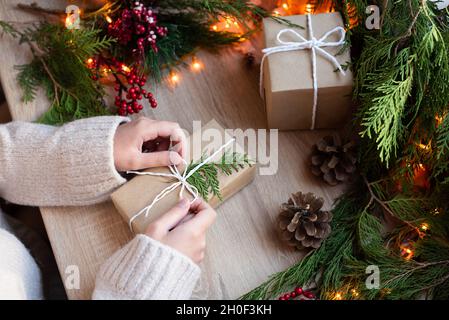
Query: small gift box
[
  {"x": 154, "y": 191},
  {"x": 302, "y": 79}
]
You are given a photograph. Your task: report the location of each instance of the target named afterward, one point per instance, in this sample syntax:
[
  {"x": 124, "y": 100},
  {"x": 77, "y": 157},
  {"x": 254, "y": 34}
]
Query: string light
[
  {"x": 196, "y": 64},
  {"x": 108, "y": 19},
  {"x": 338, "y": 296},
  {"x": 407, "y": 253},
  {"x": 285, "y": 6},
  {"x": 90, "y": 63},
  {"x": 174, "y": 77},
  {"x": 355, "y": 293},
  {"x": 436, "y": 211},
  {"x": 424, "y": 146},
  {"x": 309, "y": 8},
  {"x": 276, "y": 13},
  {"x": 125, "y": 68},
  {"x": 424, "y": 226},
  {"x": 68, "y": 22},
  {"x": 214, "y": 27}
]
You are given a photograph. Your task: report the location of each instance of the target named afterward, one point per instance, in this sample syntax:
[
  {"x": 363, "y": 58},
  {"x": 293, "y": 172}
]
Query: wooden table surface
[{"x": 243, "y": 247}]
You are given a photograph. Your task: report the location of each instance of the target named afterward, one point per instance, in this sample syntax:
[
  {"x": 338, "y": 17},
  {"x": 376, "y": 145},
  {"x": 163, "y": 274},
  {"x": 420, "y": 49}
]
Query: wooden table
[{"x": 243, "y": 247}]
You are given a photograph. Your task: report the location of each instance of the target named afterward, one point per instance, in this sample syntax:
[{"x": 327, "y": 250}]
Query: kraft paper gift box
[
  {"x": 287, "y": 77},
  {"x": 140, "y": 191}
]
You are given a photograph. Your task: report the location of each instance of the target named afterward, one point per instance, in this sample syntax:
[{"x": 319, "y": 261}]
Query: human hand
[
  {"x": 144, "y": 143},
  {"x": 184, "y": 228}
]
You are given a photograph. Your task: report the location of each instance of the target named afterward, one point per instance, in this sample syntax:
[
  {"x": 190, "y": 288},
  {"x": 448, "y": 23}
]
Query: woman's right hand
[{"x": 184, "y": 228}]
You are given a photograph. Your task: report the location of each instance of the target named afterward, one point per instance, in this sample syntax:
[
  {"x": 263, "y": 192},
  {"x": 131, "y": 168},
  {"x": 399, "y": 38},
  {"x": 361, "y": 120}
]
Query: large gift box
[
  {"x": 287, "y": 69},
  {"x": 141, "y": 190}
]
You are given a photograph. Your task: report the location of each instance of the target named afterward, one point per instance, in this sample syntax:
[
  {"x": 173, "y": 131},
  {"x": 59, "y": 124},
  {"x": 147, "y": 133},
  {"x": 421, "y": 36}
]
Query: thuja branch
[
  {"x": 205, "y": 179},
  {"x": 383, "y": 204}
]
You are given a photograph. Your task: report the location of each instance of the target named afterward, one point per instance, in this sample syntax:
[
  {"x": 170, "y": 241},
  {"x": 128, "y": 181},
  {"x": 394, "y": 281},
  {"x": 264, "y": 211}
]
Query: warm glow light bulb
[
  {"x": 196, "y": 64},
  {"x": 424, "y": 226},
  {"x": 285, "y": 6},
  {"x": 308, "y": 8},
  {"x": 174, "y": 77},
  {"x": 125, "y": 68},
  {"x": 108, "y": 19},
  {"x": 214, "y": 27},
  {"x": 338, "y": 296},
  {"x": 68, "y": 22}
]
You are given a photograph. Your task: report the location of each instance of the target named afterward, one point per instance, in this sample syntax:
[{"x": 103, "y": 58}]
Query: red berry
[
  {"x": 117, "y": 103},
  {"x": 139, "y": 97},
  {"x": 142, "y": 83},
  {"x": 308, "y": 294},
  {"x": 117, "y": 87},
  {"x": 123, "y": 104},
  {"x": 293, "y": 294},
  {"x": 287, "y": 296},
  {"x": 154, "y": 104},
  {"x": 299, "y": 291},
  {"x": 140, "y": 107},
  {"x": 144, "y": 92},
  {"x": 130, "y": 81},
  {"x": 281, "y": 298}
]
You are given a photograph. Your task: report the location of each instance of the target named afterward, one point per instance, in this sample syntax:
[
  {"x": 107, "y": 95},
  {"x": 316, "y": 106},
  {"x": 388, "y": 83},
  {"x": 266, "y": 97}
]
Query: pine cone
[
  {"x": 333, "y": 161},
  {"x": 302, "y": 222}
]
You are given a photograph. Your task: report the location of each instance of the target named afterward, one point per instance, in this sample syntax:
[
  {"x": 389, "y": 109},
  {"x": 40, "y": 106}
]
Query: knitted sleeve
[
  {"x": 146, "y": 269},
  {"x": 73, "y": 164}
]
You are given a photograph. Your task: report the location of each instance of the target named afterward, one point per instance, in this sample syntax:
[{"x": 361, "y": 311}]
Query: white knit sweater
[{"x": 73, "y": 165}]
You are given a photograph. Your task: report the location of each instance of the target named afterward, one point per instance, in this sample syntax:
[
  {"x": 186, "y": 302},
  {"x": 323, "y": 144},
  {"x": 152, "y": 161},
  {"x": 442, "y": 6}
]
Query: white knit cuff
[
  {"x": 90, "y": 174},
  {"x": 146, "y": 269}
]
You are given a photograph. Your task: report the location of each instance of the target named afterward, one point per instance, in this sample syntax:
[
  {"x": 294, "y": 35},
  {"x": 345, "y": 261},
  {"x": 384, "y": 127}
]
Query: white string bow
[
  {"x": 313, "y": 44},
  {"x": 181, "y": 181}
]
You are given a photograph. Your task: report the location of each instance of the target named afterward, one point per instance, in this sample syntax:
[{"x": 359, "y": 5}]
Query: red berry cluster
[
  {"x": 136, "y": 28},
  {"x": 129, "y": 92},
  {"x": 298, "y": 293},
  {"x": 127, "y": 99}
]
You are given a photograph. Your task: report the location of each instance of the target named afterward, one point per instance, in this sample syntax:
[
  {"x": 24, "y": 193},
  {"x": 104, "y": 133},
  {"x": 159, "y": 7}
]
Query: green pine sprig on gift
[{"x": 205, "y": 179}]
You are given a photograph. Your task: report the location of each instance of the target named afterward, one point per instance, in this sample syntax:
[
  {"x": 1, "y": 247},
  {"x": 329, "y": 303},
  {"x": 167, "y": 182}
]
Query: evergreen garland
[
  {"x": 59, "y": 67},
  {"x": 401, "y": 89}
]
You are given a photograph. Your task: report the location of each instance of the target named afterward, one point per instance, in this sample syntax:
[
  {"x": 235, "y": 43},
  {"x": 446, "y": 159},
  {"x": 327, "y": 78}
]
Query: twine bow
[
  {"x": 181, "y": 181},
  {"x": 313, "y": 44}
]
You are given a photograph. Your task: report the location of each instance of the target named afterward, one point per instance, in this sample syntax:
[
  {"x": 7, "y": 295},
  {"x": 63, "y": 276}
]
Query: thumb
[
  {"x": 173, "y": 216},
  {"x": 159, "y": 159}
]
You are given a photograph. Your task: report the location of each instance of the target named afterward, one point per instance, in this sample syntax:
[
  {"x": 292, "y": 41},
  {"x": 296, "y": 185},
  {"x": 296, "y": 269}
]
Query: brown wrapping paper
[
  {"x": 141, "y": 190},
  {"x": 288, "y": 82}
]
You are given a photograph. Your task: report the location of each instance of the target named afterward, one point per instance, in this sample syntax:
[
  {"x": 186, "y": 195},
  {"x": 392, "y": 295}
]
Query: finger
[
  {"x": 188, "y": 217},
  {"x": 158, "y": 159},
  {"x": 198, "y": 205},
  {"x": 149, "y": 129},
  {"x": 173, "y": 217},
  {"x": 204, "y": 217}
]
